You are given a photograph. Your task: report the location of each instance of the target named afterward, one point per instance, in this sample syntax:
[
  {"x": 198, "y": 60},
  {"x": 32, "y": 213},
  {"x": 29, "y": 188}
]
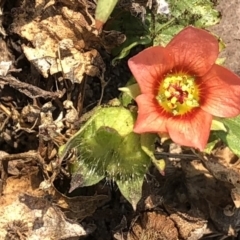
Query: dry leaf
[
  {"x": 61, "y": 39},
  {"x": 154, "y": 226},
  {"x": 80, "y": 207},
  {"x": 235, "y": 194},
  {"x": 190, "y": 228},
  {"x": 30, "y": 213}
]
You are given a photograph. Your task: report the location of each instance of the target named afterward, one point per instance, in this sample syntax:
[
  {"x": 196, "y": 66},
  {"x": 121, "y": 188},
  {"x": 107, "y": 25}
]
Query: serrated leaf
[
  {"x": 232, "y": 136},
  {"x": 83, "y": 175}
]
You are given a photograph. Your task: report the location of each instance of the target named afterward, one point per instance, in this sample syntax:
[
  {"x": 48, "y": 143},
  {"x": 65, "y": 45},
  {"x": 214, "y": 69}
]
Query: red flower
[{"x": 182, "y": 88}]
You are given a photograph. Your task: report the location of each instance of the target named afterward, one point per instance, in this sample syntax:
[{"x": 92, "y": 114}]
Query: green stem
[{"x": 104, "y": 9}]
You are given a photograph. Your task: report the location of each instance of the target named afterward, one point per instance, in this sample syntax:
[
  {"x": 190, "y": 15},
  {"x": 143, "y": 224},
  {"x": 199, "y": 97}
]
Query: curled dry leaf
[
  {"x": 29, "y": 114},
  {"x": 190, "y": 228},
  {"x": 62, "y": 40},
  {"x": 153, "y": 225},
  {"x": 71, "y": 113},
  {"x": 5, "y": 67}
]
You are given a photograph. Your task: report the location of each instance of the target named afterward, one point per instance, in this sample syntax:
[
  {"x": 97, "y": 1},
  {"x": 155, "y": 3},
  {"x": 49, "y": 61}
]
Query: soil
[
  {"x": 229, "y": 32},
  {"x": 196, "y": 199}
]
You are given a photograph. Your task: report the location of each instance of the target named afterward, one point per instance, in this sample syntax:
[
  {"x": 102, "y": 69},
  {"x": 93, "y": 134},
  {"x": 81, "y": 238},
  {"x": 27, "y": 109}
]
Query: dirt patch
[{"x": 228, "y": 30}]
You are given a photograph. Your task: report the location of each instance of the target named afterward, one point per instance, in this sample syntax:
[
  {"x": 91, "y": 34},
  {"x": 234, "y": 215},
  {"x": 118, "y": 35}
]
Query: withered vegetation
[{"x": 54, "y": 67}]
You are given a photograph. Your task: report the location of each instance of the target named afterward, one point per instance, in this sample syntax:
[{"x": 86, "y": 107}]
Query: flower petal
[
  {"x": 220, "y": 90},
  {"x": 149, "y": 67},
  {"x": 151, "y": 118},
  {"x": 194, "y": 50},
  {"x": 191, "y": 130}
]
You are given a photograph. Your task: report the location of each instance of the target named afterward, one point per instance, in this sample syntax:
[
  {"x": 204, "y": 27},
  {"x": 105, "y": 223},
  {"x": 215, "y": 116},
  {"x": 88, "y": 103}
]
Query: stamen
[{"x": 178, "y": 94}]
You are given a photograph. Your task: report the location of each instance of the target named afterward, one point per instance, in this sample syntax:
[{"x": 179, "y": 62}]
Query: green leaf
[
  {"x": 132, "y": 90},
  {"x": 129, "y": 92},
  {"x": 206, "y": 16},
  {"x": 84, "y": 175},
  {"x": 106, "y": 146},
  {"x": 232, "y": 137},
  {"x": 218, "y": 125},
  {"x": 220, "y": 61},
  {"x": 210, "y": 146},
  {"x": 130, "y": 43},
  {"x": 200, "y": 13},
  {"x": 137, "y": 32},
  {"x": 159, "y": 29},
  {"x": 166, "y": 34},
  {"x": 148, "y": 146},
  {"x": 132, "y": 190}
]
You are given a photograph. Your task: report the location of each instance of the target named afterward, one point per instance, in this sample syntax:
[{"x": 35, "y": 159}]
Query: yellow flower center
[{"x": 178, "y": 94}]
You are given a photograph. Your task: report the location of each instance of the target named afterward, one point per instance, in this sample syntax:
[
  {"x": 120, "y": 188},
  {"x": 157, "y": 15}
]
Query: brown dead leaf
[
  {"x": 154, "y": 226},
  {"x": 112, "y": 39},
  {"x": 222, "y": 169},
  {"x": 235, "y": 194},
  {"x": 190, "y": 228},
  {"x": 225, "y": 155},
  {"x": 223, "y": 165},
  {"x": 202, "y": 187},
  {"x": 210, "y": 187},
  {"x": 79, "y": 207},
  {"x": 229, "y": 224},
  {"x": 62, "y": 40},
  {"x": 30, "y": 213}
]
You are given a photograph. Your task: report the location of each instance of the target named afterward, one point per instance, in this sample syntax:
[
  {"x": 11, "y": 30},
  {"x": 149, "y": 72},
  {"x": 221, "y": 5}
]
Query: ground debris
[
  {"x": 153, "y": 225},
  {"x": 62, "y": 39},
  {"x": 50, "y": 58},
  {"x": 28, "y": 214},
  {"x": 28, "y": 89}
]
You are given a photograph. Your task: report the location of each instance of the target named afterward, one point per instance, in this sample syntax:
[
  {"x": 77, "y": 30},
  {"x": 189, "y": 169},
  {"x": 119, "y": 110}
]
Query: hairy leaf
[{"x": 107, "y": 147}]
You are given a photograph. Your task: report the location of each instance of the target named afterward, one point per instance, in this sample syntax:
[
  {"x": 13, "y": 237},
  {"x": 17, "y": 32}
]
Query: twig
[
  {"x": 176, "y": 155},
  {"x": 29, "y": 89}
]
